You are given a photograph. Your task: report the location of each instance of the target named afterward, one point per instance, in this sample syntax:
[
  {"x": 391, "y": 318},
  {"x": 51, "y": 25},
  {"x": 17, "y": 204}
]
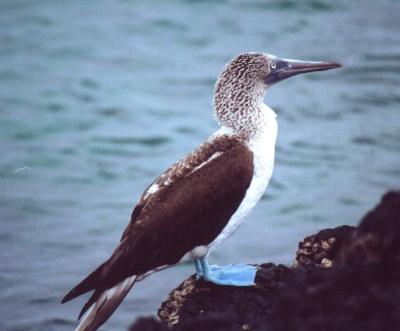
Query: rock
[
  {"x": 344, "y": 278},
  {"x": 321, "y": 249},
  {"x": 362, "y": 292},
  {"x": 148, "y": 324},
  {"x": 232, "y": 308}
]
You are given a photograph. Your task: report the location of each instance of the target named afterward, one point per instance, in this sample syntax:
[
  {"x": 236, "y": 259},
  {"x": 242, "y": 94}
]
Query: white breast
[{"x": 263, "y": 148}]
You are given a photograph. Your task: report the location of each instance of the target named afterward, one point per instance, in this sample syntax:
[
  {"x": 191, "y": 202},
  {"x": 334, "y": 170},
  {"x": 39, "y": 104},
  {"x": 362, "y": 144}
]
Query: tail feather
[
  {"x": 86, "y": 285},
  {"x": 103, "y": 305},
  {"x": 95, "y": 296}
]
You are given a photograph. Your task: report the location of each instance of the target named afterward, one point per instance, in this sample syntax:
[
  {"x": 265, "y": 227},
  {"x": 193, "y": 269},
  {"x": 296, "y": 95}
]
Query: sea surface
[{"x": 97, "y": 98}]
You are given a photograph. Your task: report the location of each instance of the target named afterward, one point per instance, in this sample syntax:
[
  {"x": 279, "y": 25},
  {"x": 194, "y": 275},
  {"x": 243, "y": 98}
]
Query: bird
[{"x": 203, "y": 198}]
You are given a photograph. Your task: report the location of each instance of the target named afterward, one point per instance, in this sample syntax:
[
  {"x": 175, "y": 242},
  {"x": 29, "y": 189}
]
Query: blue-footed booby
[{"x": 203, "y": 198}]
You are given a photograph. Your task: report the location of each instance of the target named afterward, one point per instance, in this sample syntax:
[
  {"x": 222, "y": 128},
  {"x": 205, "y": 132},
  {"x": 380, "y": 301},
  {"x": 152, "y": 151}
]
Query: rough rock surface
[
  {"x": 234, "y": 307},
  {"x": 362, "y": 293},
  {"x": 343, "y": 279},
  {"x": 321, "y": 249}
]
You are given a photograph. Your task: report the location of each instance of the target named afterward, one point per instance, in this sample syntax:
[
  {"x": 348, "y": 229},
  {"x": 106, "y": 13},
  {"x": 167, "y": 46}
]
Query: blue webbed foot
[{"x": 232, "y": 275}]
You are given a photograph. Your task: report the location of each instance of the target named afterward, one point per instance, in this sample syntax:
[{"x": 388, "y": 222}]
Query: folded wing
[{"x": 187, "y": 206}]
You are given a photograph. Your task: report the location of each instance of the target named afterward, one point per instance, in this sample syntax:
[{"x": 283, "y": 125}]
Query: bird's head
[{"x": 241, "y": 87}]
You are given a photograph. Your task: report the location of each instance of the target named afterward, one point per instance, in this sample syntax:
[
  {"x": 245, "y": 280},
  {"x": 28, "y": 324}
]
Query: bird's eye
[{"x": 273, "y": 65}]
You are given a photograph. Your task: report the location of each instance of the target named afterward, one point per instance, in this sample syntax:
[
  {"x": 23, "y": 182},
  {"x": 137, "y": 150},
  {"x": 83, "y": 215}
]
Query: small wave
[
  {"x": 276, "y": 184},
  {"x": 26, "y": 135},
  {"x": 382, "y": 57},
  {"x": 149, "y": 141},
  {"x": 390, "y": 141},
  {"x": 291, "y": 208},
  {"x": 268, "y": 197},
  {"x": 348, "y": 201},
  {"x": 375, "y": 99},
  {"x": 186, "y": 130},
  {"x": 297, "y": 163},
  {"x": 381, "y": 68},
  {"x": 310, "y": 145},
  {"x": 55, "y": 107},
  {"x": 110, "y": 111},
  {"x": 42, "y": 21},
  {"x": 59, "y": 322},
  {"x": 41, "y": 301},
  {"x": 106, "y": 174},
  {"x": 198, "y": 42},
  {"x": 34, "y": 208},
  {"x": 80, "y": 180},
  {"x": 292, "y": 5},
  {"x": 89, "y": 84},
  {"x": 169, "y": 24},
  {"x": 10, "y": 75},
  {"x": 364, "y": 140},
  {"x": 111, "y": 151},
  {"x": 206, "y": 81}
]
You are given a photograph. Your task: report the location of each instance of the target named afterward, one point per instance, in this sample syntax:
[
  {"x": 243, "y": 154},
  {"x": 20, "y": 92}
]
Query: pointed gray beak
[{"x": 285, "y": 68}]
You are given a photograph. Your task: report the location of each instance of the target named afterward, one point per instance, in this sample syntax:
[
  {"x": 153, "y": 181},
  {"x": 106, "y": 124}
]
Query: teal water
[{"x": 98, "y": 98}]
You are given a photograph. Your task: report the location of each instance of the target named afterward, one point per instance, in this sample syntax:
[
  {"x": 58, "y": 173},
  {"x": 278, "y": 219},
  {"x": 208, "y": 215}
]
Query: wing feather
[
  {"x": 193, "y": 202},
  {"x": 191, "y": 210}
]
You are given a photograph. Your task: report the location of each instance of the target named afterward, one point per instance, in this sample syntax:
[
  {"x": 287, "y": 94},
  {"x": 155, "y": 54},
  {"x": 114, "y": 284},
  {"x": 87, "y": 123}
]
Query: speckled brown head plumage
[{"x": 240, "y": 90}]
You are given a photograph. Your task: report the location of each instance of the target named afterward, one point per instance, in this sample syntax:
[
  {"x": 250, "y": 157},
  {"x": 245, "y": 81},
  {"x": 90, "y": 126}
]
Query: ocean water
[{"x": 97, "y": 98}]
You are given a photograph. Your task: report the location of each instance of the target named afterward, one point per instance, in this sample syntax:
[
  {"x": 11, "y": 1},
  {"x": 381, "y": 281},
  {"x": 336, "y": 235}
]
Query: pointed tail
[
  {"x": 105, "y": 305},
  {"x": 86, "y": 285}
]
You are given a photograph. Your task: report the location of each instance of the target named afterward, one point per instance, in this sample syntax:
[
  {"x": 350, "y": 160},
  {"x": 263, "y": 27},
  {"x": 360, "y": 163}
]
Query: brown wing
[
  {"x": 188, "y": 210},
  {"x": 210, "y": 149}
]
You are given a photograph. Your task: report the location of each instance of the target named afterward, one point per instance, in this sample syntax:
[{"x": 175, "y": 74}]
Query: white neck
[
  {"x": 240, "y": 109},
  {"x": 262, "y": 145},
  {"x": 254, "y": 121}
]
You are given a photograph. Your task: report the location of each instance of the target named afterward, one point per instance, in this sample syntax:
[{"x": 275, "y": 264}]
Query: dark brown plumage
[{"x": 170, "y": 222}]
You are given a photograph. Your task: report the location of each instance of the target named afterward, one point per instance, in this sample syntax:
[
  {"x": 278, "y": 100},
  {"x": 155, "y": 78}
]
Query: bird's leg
[
  {"x": 199, "y": 272},
  {"x": 233, "y": 274}
]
